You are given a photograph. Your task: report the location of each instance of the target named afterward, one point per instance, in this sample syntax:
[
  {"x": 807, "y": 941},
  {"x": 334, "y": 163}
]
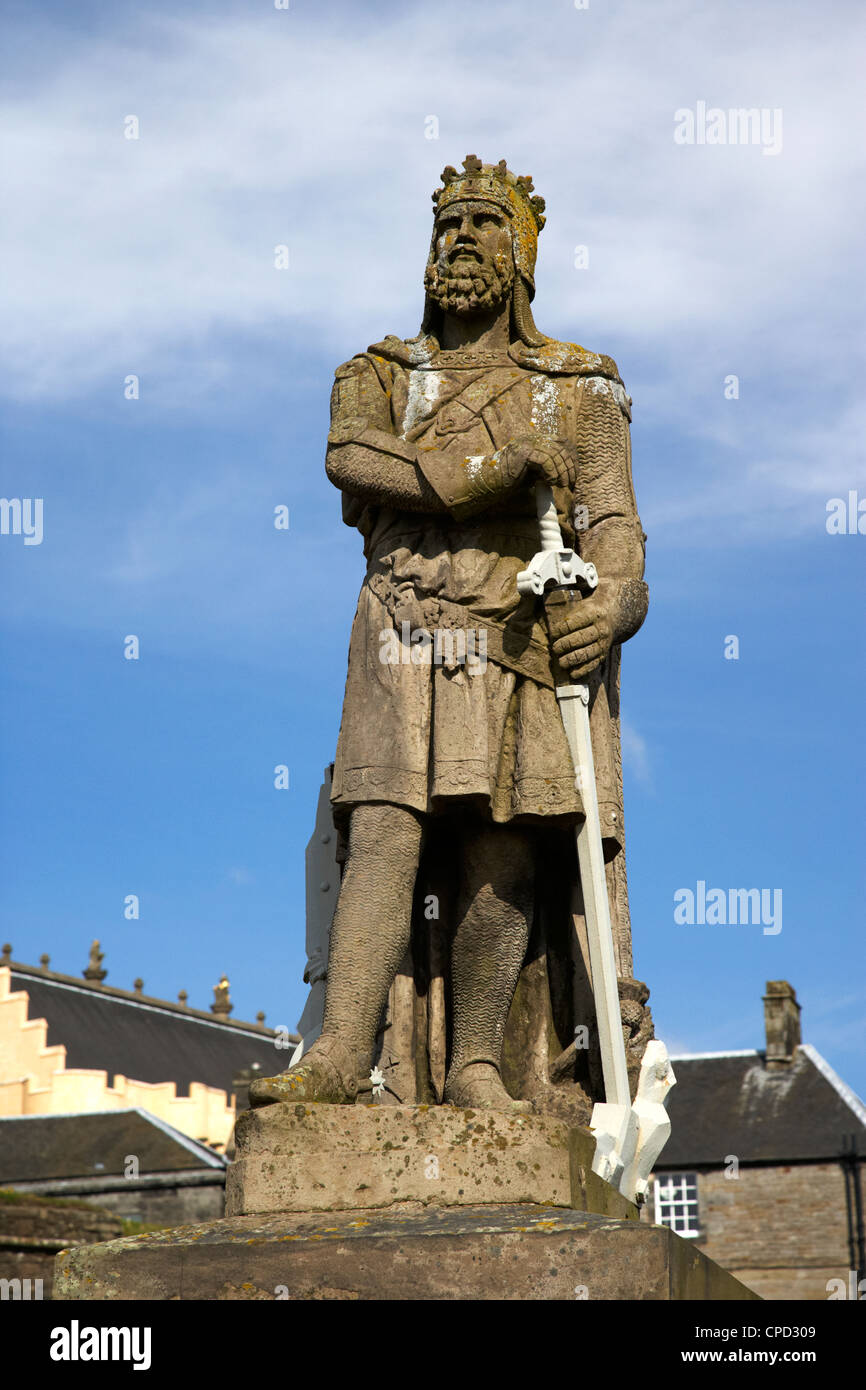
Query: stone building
[
  {"x": 117, "y": 1099},
  {"x": 70, "y": 1045},
  {"x": 124, "y": 1161},
  {"x": 762, "y": 1167}
]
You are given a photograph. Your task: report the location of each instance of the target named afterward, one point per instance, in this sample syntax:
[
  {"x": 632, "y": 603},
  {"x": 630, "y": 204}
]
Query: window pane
[{"x": 676, "y": 1202}]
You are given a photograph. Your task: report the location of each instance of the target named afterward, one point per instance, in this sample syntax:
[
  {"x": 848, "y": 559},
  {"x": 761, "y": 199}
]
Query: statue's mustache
[{"x": 466, "y": 251}]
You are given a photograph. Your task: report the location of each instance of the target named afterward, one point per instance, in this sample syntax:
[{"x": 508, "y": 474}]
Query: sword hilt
[
  {"x": 548, "y": 521},
  {"x": 555, "y": 566}
]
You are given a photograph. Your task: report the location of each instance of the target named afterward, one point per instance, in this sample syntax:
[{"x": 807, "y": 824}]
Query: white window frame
[{"x": 677, "y": 1203}]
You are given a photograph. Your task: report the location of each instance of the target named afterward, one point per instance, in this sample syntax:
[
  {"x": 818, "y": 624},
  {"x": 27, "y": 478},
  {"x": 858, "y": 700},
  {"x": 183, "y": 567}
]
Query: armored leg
[
  {"x": 369, "y": 937},
  {"x": 489, "y": 946}
]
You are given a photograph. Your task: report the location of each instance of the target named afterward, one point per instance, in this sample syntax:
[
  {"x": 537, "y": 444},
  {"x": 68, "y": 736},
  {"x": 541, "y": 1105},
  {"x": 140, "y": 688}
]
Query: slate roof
[
  {"x": 37, "y": 1148},
  {"x": 144, "y": 1039},
  {"x": 730, "y": 1103}
]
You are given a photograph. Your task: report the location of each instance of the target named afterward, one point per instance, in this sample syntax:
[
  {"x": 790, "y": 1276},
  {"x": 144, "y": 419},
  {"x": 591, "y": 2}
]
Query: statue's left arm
[{"x": 609, "y": 533}]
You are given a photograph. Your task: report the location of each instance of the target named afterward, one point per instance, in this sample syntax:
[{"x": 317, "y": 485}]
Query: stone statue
[
  {"x": 95, "y": 971},
  {"x": 455, "y": 963}
]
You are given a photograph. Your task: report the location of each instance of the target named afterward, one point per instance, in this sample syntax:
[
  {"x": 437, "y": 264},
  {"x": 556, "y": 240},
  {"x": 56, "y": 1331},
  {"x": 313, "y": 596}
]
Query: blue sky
[{"x": 155, "y": 256}]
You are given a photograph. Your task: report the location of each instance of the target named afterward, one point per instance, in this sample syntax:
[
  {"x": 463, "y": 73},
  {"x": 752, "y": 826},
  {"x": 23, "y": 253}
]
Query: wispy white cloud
[
  {"x": 836, "y": 1024},
  {"x": 635, "y": 753},
  {"x": 307, "y": 128},
  {"x": 268, "y": 128}
]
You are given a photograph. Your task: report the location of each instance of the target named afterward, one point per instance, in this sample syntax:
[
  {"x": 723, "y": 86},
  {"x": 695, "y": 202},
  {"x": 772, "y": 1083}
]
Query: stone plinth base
[
  {"x": 484, "y": 1252},
  {"x": 339, "y": 1158},
  {"x": 404, "y": 1202}
]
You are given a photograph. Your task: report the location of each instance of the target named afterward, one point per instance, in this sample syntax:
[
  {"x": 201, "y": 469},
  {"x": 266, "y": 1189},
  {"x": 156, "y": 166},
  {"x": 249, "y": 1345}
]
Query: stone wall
[
  {"x": 166, "y": 1206},
  {"x": 33, "y": 1230}
]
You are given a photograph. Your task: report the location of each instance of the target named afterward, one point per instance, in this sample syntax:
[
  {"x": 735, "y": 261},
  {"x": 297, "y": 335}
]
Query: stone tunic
[{"x": 422, "y": 727}]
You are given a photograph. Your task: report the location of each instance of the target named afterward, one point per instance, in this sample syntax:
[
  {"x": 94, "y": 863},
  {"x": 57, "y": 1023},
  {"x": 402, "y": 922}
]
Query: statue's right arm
[
  {"x": 371, "y": 470},
  {"x": 366, "y": 460}
]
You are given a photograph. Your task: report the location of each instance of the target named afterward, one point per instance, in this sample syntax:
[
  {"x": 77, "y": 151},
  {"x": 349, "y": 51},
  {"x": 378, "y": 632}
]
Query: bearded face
[{"x": 473, "y": 270}]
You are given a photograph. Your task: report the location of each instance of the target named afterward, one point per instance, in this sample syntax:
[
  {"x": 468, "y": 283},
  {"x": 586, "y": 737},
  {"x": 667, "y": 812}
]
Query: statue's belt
[{"x": 509, "y": 644}]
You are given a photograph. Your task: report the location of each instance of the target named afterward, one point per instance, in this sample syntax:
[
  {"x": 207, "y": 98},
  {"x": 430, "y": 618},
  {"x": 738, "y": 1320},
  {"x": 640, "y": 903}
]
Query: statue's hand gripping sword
[{"x": 627, "y": 1143}]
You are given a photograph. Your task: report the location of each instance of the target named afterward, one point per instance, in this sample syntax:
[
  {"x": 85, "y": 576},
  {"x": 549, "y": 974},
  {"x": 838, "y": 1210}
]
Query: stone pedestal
[
  {"x": 337, "y": 1158},
  {"x": 404, "y": 1202},
  {"x": 515, "y": 1252}
]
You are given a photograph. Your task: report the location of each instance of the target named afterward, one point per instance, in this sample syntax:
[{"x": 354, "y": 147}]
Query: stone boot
[
  {"x": 478, "y": 1086},
  {"x": 327, "y": 1073}
]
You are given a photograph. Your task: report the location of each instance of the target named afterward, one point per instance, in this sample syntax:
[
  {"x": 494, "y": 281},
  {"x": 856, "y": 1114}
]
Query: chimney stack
[{"x": 781, "y": 1023}]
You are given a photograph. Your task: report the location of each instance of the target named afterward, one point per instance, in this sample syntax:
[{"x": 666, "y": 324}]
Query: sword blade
[{"x": 574, "y": 709}]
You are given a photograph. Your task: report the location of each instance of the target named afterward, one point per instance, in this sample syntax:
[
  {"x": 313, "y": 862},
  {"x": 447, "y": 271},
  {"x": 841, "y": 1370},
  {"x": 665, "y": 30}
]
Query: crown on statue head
[{"x": 492, "y": 183}]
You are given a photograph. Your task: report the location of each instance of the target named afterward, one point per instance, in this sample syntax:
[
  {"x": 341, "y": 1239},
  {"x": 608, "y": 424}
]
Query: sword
[{"x": 614, "y": 1123}]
